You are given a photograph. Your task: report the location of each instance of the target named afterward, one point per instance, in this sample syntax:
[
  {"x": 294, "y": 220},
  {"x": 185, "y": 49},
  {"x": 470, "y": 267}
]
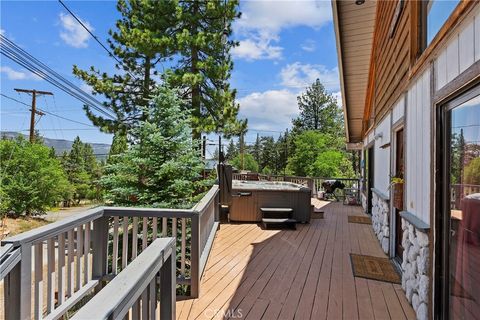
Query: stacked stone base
[
  {"x": 380, "y": 220},
  {"x": 415, "y": 280}
]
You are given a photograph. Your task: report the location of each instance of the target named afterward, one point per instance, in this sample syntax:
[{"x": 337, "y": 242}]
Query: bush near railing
[{"x": 90, "y": 248}]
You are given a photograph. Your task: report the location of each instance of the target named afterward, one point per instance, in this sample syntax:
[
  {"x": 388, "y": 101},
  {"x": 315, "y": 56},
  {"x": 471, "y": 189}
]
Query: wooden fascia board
[
  {"x": 371, "y": 78},
  {"x": 340, "y": 66}
]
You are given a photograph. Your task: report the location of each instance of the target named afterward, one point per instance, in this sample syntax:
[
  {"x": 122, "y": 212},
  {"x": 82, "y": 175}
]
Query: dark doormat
[
  {"x": 374, "y": 268},
  {"x": 318, "y": 215},
  {"x": 359, "y": 219}
]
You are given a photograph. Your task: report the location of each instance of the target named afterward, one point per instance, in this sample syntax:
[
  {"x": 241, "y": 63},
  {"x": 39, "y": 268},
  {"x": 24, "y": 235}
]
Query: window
[{"x": 436, "y": 14}]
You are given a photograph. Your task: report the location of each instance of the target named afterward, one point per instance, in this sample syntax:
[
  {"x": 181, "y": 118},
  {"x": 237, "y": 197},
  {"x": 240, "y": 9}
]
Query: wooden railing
[
  {"x": 82, "y": 252},
  {"x": 135, "y": 289},
  {"x": 460, "y": 191},
  {"x": 314, "y": 183}
]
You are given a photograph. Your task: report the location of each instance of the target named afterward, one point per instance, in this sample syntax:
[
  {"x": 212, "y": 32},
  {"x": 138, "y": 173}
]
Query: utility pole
[
  {"x": 242, "y": 157},
  {"x": 33, "y": 110}
]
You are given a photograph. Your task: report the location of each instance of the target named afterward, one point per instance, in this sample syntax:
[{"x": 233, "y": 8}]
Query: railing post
[
  {"x": 167, "y": 288},
  {"x": 195, "y": 256},
  {"x": 100, "y": 245},
  {"x": 18, "y": 287}
]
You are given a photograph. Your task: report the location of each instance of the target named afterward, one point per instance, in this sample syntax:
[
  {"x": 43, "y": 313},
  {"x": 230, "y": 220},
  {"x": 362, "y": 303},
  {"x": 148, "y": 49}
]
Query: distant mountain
[{"x": 100, "y": 149}]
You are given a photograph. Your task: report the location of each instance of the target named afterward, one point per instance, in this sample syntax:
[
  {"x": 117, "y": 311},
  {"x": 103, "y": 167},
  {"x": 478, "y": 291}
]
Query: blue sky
[{"x": 284, "y": 46}]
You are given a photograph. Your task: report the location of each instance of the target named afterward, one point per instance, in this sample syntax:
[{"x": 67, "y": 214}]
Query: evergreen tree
[
  {"x": 143, "y": 38},
  {"x": 205, "y": 64},
  {"x": 319, "y": 111},
  {"x": 269, "y": 156},
  {"x": 257, "y": 149},
  {"x": 232, "y": 150},
  {"x": 162, "y": 168}
]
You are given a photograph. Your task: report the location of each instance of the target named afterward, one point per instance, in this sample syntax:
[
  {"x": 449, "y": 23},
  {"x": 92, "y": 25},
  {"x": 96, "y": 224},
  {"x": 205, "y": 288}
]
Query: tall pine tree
[
  {"x": 142, "y": 40},
  {"x": 205, "y": 64}
]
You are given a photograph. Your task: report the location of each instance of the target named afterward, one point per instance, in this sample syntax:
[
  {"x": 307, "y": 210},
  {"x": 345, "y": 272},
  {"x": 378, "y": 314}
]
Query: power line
[
  {"x": 23, "y": 58},
  {"x": 47, "y": 112},
  {"x": 96, "y": 39}
]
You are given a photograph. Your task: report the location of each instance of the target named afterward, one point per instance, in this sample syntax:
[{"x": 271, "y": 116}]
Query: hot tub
[{"x": 249, "y": 196}]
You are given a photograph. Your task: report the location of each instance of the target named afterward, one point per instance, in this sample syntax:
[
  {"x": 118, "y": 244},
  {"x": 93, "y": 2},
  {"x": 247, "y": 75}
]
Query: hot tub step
[
  {"x": 279, "y": 223},
  {"x": 277, "y": 213}
]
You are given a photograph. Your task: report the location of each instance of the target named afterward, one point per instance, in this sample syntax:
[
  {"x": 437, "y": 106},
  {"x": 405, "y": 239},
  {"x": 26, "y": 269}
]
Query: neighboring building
[{"x": 410, "y": 78}]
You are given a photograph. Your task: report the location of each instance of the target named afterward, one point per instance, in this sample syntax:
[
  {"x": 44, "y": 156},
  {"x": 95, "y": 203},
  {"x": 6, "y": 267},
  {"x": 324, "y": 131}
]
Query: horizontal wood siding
[
  {"x": 418, "y": 155},
  {"x": 391, "y": 57},
  {"x": 460, "y": 52}
]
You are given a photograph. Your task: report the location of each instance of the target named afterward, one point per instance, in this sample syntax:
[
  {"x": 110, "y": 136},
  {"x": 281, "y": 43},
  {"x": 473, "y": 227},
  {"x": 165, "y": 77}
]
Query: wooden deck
[{"x": 304, "y": 274}]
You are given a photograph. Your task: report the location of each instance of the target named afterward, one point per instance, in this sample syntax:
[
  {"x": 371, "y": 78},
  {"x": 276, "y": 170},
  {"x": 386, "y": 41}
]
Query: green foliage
[
  {"x": 142, "y": 40},
  {"x": 319, "y": 111},
  {"x": 249, "y": 162},
  {"x": 162, "y": 167},
  {"x": 318, "y": 154},
  {"x": 31, "y": 179},
  {"x": 187, "y": 34},
  {"x": 471, "y": 174},
  {"x": 204, "y": 65},
  {"x": 83, "y": 172}
]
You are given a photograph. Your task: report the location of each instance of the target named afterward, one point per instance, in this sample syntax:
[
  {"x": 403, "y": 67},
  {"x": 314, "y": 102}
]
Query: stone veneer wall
[
  {"x": 415, "y": 280},
  {"x": 380, "y": 220}
]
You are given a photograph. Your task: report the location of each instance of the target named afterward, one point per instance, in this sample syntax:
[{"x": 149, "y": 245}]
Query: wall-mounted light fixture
[
  {"x": 359, "y": 2},
  {"x": 378, "y": 136}
]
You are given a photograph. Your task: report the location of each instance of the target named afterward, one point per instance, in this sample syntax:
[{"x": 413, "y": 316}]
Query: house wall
[
  {"x": 418, "y": 157},
  {"x": 392, "y": 56},
  {"x": 459, "y": 52}
]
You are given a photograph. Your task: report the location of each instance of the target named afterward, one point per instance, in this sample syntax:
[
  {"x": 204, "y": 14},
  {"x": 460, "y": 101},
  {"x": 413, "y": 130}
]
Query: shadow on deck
[{"x": 304, "y": 274}]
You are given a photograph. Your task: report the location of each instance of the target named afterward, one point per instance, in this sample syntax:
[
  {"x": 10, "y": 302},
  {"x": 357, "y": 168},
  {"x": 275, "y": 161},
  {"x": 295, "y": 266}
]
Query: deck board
[{"x": 294, "y": 274}]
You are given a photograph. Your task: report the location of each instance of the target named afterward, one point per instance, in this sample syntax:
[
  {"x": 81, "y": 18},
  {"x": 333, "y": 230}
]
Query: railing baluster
[
  {"x": 125, "y": 243},
  {"x": 145, "y": 304},
  {"x": 152, "y": 297},
  {"x": 50, "y": 275},
  {"x": 71, "y": 263},
  {"x": 78, "y": 279},
  {"x": 61, "y": 268},
  {"x": 86, "y": 254},
  {"x": 174, "y": 227},
  {"x": 183, "y": 247},
  {"x": 38, "y": 280},
  {"x": 134, "y": 237},
  {"x": 136, "y": 310},
  {"x": 155, "y": 228},
  {"x": 144, "y": 233},
  {"x": 164, "y": 227},
  {"x": 115, "y": 245}
]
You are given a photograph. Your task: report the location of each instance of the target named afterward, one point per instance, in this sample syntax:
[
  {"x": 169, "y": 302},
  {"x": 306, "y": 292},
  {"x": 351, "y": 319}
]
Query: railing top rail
[
  {"x": 206, "y": 200},
  {"x": 147, "y": 212},
  {"x": 113, "y": 301},
  {"x": 53, "y": 229}
]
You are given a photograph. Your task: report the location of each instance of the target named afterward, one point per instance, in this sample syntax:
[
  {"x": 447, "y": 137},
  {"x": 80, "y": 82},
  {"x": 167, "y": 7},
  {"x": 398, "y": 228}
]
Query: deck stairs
[{"x": 278, "y": 218}]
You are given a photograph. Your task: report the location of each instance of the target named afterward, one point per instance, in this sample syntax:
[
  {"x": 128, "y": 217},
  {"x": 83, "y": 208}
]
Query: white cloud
[
  {"x": 298, "y": 75},
  {"x": 269, "y": 110},
  {"x": 2, "y": 31},
  {"x": 18, "y": 75},
  {"x": 73, "y": 33},
  {"x": 85, "y": 87},
  {"x": 276, "y": 15},
  {"x": 309, "y": 45},
  {"x": 258, "y": 47},
  {"x": 338, "y": 96},
  {"x": 262, "y": 21}
]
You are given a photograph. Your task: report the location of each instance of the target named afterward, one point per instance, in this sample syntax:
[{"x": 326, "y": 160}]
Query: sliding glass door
[{"x": 461, "y": 214}]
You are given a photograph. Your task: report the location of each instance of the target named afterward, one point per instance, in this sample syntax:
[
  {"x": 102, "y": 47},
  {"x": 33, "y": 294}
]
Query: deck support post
[
  {"x": 168, "y": 288},
  {"x": 195, "y": 257},
  {"x": 18, "y": 286},
  {"x": 100, "y": 245}
]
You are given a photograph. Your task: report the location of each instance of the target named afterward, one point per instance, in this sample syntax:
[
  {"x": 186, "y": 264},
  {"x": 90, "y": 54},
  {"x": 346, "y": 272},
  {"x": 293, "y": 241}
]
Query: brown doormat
[
  {"x": 359, "y": 219},
  {"x": 317, "y": 215},
  {"x": 374, "y": 268}
]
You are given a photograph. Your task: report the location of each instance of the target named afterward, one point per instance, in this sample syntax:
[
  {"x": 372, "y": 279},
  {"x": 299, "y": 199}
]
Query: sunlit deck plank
[{"x": 302, "y": 274}]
